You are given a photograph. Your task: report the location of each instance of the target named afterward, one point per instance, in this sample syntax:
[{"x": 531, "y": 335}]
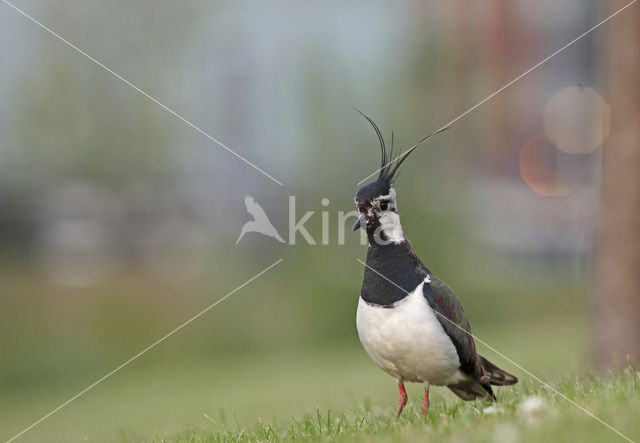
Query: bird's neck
[{"x": 393, "y": 271}]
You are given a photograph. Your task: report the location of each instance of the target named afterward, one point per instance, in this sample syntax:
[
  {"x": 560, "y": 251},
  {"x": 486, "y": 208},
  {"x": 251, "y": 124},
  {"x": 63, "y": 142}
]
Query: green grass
[
  {"x": 333, "y": 394},
  {"x": 237, "y": 374},
  {"x": 616, "y": 400}
]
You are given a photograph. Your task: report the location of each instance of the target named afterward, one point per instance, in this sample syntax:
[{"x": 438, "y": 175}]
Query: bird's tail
[
  {"x": 497, "y": 376},
  {"x": 242, "y": 232}
]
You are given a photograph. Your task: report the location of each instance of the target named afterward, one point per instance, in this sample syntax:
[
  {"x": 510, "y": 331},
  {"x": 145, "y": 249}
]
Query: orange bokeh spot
[
  {"x": 576, "y": 120},
  {"x": 538, "y": 169}
]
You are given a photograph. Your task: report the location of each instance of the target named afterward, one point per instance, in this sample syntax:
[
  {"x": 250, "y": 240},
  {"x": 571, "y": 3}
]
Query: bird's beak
[{"x": 360, "y": 222}]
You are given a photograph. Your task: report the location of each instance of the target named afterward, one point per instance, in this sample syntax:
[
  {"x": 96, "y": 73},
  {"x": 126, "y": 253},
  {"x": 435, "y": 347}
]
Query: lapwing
[{"x": 409, "y": 321}]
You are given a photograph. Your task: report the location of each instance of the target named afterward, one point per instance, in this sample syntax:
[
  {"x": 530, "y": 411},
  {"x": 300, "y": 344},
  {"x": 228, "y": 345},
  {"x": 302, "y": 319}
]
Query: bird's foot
[
  {"x": 402, "y": 401},
  {"x": 424, "y": 407}
]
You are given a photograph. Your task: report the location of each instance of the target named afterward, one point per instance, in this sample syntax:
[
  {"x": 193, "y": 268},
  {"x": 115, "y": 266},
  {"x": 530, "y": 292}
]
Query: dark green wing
[{"x": 455, "y": 323}]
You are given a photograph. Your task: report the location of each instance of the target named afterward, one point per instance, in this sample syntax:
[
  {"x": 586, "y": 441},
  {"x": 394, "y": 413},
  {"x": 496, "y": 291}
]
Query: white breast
[{"x": 407, "y": 340}]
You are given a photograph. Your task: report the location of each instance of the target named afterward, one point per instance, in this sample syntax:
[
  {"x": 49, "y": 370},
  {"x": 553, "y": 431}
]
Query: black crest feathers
[{"x": 389, "y": 165}]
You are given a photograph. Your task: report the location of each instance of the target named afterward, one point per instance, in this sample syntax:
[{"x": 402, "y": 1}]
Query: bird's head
[
  {"x": 378, "y": 210},
  {"x": 376, "y": 201}
]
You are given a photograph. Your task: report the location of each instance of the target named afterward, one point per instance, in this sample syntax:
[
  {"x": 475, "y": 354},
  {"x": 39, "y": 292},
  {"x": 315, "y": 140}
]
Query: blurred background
[{"x": 118, "y": 221}]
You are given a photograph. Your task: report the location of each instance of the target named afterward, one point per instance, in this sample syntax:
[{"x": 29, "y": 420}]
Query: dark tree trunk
[{"x": 615, "y": 308}]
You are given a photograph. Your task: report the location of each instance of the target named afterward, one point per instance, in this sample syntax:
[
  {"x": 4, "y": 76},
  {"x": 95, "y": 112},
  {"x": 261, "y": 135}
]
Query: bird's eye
[{"x": 384, "y": 206}]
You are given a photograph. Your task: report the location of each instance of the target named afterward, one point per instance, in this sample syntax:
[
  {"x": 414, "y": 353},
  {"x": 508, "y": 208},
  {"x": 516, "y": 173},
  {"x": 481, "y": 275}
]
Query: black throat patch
[{"x": 399, "y": 264}]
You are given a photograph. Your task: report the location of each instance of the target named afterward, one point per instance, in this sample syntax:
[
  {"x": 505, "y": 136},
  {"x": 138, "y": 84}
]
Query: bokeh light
[
  {"x": 538, "y": 168},
  {"x": 576, "y": 120}
]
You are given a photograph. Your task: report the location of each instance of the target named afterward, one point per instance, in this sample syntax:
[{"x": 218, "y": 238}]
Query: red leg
[
  {"x": 402, "y": 401},
  {"x": 425, "y": 403}
]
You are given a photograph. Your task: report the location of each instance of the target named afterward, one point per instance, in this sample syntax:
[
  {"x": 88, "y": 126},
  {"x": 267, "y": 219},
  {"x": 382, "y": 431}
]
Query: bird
[
  {"x": 260, "y": 222},
  {"x": 409, "y": 321}
]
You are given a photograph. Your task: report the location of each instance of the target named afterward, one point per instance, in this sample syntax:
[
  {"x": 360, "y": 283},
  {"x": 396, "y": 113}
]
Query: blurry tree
[{"x": 615, "y": 309}]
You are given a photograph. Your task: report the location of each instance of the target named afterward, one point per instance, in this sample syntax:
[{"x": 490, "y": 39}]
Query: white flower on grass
[
  {"x": 493, "y": 410},
  {"x": 531, "y": 409}
]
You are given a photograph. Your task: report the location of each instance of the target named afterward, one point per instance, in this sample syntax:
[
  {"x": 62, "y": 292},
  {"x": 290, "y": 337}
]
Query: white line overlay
[
  {"x": 145, "y": 350},
  {"x": 508, "y": 84},
  {"x": 163, "y": 106},
  {"x": 555, "y": 391}
]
